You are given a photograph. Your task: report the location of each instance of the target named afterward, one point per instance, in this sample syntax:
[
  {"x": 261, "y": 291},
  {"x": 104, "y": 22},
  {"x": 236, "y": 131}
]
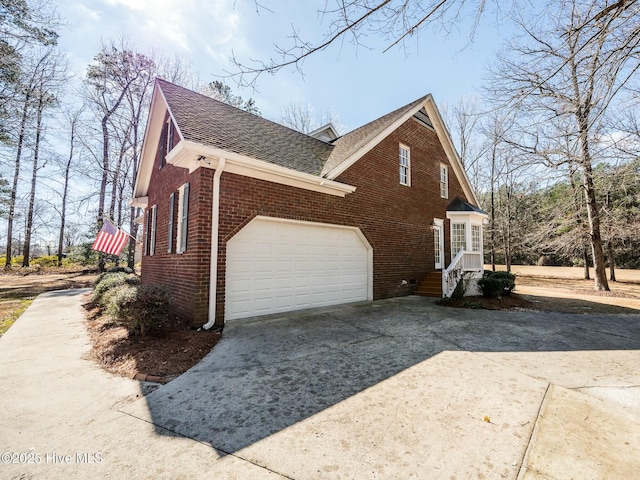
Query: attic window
[
  {"x": 170, "y": 133},
  {"x": 405, "y": 166},
  {"x": 444, "y": 181},
  {"x": 167, "y": 141}
]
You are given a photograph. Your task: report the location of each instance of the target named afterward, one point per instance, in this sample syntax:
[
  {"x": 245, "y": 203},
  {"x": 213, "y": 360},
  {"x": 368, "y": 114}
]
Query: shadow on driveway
[{"x": 270, "y": 373}]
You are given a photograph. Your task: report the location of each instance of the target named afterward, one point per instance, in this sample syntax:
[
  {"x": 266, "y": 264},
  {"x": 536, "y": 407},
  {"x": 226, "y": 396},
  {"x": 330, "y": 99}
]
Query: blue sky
[{"x": 358, "y": 84}]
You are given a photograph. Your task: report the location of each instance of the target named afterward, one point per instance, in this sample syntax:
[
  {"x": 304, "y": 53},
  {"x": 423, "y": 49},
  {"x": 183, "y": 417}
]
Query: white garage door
[{"x": 277, "y": 266}]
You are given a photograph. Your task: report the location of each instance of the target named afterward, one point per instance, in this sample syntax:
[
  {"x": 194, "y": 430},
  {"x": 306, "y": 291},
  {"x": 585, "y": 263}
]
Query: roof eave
[{"x": 192, "y": 155}]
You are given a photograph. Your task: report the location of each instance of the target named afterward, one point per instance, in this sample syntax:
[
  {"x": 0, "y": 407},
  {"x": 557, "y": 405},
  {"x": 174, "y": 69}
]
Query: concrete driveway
[{"x": 398, "y": 388}]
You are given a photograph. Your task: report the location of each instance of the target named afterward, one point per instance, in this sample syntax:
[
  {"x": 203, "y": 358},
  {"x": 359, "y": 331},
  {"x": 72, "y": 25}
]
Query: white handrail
[
  {"x": 452, "y": 274},
  {"x": 464, "y": 261}
]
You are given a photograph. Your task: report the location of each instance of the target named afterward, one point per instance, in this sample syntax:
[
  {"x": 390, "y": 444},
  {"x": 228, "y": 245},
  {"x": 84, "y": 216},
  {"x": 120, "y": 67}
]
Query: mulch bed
[
  {"x": 158, "y": 355},
  {"x": 510, "y": 302}
]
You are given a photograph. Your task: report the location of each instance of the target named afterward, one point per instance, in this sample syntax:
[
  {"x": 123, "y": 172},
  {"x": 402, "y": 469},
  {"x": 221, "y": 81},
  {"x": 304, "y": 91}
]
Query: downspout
[{"x": 215, "y": 223}]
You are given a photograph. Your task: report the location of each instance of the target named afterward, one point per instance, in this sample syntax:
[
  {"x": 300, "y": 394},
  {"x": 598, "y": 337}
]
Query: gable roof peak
[{"x": 210, "y": 122}]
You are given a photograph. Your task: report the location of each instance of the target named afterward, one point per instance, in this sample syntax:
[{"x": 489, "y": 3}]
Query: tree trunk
[
  {"x": 103, "y": 183},
  {"x": 16, "y": 177},
  {"x": 612, "y": 262},
  {"x": 594, "y": 226},
  {"x": 65, "y": 188},
  {"x": 493, "y": 211},
  {"x": 585, "y": 258},
  {"x": 34, "y": 176}
]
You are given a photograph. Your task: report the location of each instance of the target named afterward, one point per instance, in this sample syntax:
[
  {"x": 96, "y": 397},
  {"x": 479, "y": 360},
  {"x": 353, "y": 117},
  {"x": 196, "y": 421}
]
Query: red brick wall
[
  {"x": 185, "y": 274},
  {"x": 396, "y": 219}
]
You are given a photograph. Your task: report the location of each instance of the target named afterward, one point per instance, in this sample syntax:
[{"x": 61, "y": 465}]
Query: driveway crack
[{"x": 522, "y": 469}]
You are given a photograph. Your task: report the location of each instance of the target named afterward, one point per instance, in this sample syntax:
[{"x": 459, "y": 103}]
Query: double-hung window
[
  {"x": 458, "y": 238},
  {"x": 152, "y": 234},
  {"x": 444, "y": 182},
  {"x": 183, "y": 216},
  {"x": 405, "y": 166},
  {"x": 476, "y": 241}
]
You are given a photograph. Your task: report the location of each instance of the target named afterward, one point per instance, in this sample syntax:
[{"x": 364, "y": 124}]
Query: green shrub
[
  {"x": 139, "y": 308},
  {"x": 109, "y": 271},
  {"x": 49, "y": 261},
  {"x": 497, "y": 284},
  {"x": 110, "y": 280},
  {"x": 83, "y": 255}
]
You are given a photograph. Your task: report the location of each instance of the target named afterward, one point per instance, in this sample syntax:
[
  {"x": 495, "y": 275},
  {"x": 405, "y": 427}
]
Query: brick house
[{"x": 245, "y": 217}]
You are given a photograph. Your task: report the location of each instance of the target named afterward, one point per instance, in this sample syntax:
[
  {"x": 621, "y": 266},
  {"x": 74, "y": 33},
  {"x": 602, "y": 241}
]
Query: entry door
[{"x": 438, "y": 244}]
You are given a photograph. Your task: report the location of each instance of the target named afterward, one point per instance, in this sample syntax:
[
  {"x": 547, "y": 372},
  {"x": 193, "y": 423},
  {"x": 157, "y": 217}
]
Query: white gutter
[{"x": 215, "y": 223}]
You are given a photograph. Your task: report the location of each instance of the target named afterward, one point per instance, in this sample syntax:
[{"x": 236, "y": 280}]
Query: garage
[{"x": 276, "y": 265}]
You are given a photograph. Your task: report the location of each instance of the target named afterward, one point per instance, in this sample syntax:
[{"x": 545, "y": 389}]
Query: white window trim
[
  {"x": 146, "y": 233},
  {"x": 172, "y": 200},
  {"x": 154, "y": 218},
  {"x": 408, "y": 166},
  {"x": 183, "y": 219},
  {"x": 479, "y": 230},
  {"x": 454, "y": 252},
  {"x": 170, "y": 134},
  {"x": 438, "y": 225},
  {"x": 444, "y": 183}
]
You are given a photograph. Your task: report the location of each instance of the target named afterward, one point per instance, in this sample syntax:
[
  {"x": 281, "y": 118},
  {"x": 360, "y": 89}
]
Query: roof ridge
[{"x": 393, "y": 112}]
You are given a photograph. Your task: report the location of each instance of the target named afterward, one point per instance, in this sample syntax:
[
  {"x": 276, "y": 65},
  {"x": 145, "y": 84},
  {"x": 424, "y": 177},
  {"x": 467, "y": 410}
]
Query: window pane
[
  {"x": 171, "y": 213},
  {"x": 458, "y": 238},
  {"x": 404, "y": 166},
  {"x": 444, "y": 182},
  {"x": 475, "y": 238}
]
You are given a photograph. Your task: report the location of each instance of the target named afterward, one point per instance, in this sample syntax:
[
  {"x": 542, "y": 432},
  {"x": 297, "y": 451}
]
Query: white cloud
[
  {"x": 182, "y": 26},
  {"x": 87, "y": 12}
]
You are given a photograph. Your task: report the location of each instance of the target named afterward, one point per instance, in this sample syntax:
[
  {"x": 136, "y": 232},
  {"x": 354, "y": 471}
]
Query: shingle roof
[
  {"x": 350, "y": 143},
  {"x": 459, "y": 205},
  {"x": 207, "y": 121}
]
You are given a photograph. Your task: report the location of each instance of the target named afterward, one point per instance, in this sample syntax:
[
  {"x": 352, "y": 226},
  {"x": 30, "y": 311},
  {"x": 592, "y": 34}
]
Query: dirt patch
[
  {"x": 159, "y": 355},
  {"x": 19, "y": 287},
  {"x": 17, "y": 284}
]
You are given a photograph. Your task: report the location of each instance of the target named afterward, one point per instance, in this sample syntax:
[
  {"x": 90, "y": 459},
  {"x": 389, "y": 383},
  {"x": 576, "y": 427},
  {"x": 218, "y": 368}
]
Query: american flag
[{"x": 110, "y": 239}]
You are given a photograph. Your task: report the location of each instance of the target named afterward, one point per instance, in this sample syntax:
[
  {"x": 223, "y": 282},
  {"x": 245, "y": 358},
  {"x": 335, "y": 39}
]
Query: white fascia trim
[
  {"x": 369, "y": 146},
  {"x": 140, "y": 202},
  {"x": 449, "y": 149},
  {"x": 193, "y": 155},
  {"x": 157, "y": 110},
  {"x": 477, "y": 216},
  {"x": 151, "y": 137}
]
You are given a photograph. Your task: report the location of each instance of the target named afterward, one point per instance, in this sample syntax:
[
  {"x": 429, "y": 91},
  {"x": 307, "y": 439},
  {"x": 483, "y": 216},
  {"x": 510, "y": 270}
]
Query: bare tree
[
  {"x": 302, "y": 117},
  {"x": 23, "y": 24},
  {"x": 463, "y": 119},
  {"x": 564, "y": 76},
  {"x": 50, "y": 78},
  {"x": 73, "y": 119},
  {"x": 395, "y": 21},
  {"x": 29, "y": 93},
  {"x": 109, "y": 79}
]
